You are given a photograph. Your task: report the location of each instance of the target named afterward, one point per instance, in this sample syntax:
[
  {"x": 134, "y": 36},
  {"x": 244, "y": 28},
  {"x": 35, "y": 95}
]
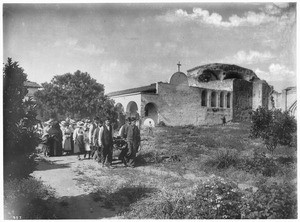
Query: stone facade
[{"x": 201, "y": 97}]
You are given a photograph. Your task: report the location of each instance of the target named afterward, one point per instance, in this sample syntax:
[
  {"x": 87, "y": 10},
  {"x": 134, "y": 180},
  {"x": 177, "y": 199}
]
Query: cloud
[
  {"x": 279, "y": 73},
  {"x": 270, "y": 13},
  {"x": 272, "y": 9},
  {"x": 281, "y": 4},
  {"x": 251, "y": 57}
]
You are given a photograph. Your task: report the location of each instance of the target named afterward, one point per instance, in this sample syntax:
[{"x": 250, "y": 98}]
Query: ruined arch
[
  {"x": 207, "y": 75},
  {"x": 132, "y": 109},
  {"x": 228, "y": 100},
  {"x": 204, "y": 98},
  {"x": 151, "y": 111},
  {"x": 222, "y": 99},
  {"x": 233, "y": 75},
  {"x": 213, "y": 101}
]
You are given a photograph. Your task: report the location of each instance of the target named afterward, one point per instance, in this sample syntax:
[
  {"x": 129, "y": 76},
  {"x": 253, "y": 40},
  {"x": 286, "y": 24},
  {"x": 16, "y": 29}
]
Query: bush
[
  {"x": 259, "y": 163},
  {"x": 213, "y": 199},
  {"x": 224, "y": 158},
  {"x": 28, "y": 199},
  {"x": 270, "y": 201},
  {"x": 274, "y": 127},
  {"x": 217, "y": 199}
]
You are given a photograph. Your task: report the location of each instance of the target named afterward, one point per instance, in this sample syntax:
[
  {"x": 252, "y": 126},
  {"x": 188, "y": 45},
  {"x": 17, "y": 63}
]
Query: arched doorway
[
  {"x": 121, "y": 114},
  {"x": 151, "y": 112},
  {"x": 132, "y": 110}
]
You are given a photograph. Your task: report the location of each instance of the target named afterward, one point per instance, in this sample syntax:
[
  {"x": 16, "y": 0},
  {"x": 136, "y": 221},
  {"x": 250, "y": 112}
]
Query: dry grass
[{"x": 172, "y": 162}]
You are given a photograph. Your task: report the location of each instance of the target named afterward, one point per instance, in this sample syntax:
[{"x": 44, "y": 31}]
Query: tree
[
  {"x": 20, "y": 137},
  {"x": 274, "y": 127},
  {"x": 74, "y": 95}
]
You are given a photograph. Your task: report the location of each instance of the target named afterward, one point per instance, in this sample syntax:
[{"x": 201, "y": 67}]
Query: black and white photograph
[{"x": 149, "y": 110}]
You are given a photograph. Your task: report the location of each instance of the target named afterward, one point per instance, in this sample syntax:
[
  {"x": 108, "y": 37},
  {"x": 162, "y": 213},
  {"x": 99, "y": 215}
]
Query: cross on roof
[{"x": 178, "y": 64}]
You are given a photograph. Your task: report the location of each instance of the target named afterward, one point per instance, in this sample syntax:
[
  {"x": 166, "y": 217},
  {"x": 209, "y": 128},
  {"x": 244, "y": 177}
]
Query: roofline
[
  {"x": 197, "y": 67},
  {"x": 133, "y": 90}
]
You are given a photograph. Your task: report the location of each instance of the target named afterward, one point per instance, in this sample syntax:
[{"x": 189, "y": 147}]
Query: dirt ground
[
  {"x": 76, "y": 203},
  {"x": 74, "y": 181}
]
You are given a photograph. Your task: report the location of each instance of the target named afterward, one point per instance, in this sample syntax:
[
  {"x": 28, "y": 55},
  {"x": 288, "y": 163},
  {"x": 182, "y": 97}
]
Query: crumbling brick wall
[{"x": 242, "y": 100}]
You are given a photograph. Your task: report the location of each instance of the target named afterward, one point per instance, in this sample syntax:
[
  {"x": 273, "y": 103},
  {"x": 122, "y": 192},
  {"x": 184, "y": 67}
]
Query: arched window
[
  {"x": 222, "y": 99},
  {"x": 213, "y": 102},
  {"x": 228, "y": 97},
  {"x": 204, "y": 98}
]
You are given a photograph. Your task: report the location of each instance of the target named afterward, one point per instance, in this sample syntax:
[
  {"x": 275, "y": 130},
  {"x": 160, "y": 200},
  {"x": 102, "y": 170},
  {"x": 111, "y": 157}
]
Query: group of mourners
[{"x": 92, "y": 139}]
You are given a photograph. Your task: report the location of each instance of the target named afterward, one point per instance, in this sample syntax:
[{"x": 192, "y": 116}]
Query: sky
[{"x": 126, "y": 45}]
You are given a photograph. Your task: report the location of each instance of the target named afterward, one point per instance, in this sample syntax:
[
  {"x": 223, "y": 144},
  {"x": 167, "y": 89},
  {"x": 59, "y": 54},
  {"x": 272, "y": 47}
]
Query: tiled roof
[
  {"x": 30, "y": 84},
  {"x": 144, "y": 89}
]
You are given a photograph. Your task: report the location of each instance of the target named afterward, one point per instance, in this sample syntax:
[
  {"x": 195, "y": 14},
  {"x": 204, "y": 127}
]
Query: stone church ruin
[{"x": 201, "y": 97}]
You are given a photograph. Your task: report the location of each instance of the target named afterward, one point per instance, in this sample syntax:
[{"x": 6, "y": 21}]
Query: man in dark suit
[
  {"x": 133, "y": 139},
  {"x": 106, "y": 143}
]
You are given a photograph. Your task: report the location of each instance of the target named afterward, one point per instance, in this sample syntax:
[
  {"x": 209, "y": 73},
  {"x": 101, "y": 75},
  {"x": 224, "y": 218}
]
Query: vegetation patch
[{"x": 28, "y": 199}]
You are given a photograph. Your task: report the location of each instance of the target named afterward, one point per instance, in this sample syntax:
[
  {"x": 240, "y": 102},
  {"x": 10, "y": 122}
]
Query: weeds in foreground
[
  {"x": 28, "y": 199},
  {"x": 218, "y": 198}
]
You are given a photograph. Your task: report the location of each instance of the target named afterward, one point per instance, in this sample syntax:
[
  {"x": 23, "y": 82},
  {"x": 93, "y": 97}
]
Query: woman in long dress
[
  {"x": 67, "y": 140},
  {"x": 87, "y": 146},
  {"x": 78, "y": 139}
]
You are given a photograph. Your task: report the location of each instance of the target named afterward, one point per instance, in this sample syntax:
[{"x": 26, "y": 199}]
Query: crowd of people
[{"x": 92, "y": 140}]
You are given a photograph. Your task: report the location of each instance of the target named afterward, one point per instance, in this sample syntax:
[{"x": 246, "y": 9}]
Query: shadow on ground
[
  {"x": 100, "y": 204},
  {"x": 50, "y": 165}
]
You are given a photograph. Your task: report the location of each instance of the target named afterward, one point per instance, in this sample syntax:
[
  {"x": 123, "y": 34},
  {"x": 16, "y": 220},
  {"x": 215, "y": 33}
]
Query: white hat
[{"x": 80, "y": 124}]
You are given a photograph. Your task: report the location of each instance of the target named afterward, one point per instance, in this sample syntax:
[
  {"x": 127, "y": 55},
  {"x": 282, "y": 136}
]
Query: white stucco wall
[{"x": 126, "y": 99}]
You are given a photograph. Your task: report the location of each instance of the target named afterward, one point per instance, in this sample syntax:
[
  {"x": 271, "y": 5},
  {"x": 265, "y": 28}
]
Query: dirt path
[
  {"x": 76, "y": 200},
  {"x": 75, "y": 203}
]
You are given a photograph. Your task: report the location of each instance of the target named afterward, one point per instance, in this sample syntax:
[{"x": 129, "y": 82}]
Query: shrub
[
  {"x": 259, "y": 163},
  {"x": 270, "y": 201},
  {"x": 274, "y": 127},
  {"x": 217, "y": 199},
  {"x": 224, "y": 158},
  {"x": 28, "y": 199}
]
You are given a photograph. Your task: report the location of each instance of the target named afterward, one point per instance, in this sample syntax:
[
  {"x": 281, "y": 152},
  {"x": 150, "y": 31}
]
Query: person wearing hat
[
  {"x": 123, "y": 134},
  {"x": 67, "y": 134},
  {"x": 45, "y": 140},
  {"x": 78, "y": 139},
  {"x": 106, "y": 143},
  {"x": 55, "y": 134},
  {"x": 72, "y": 127},
  {"x": 133, "y": 139},
  {"x": 87, "y": 145},
  {"x": 93, "y": 138}
]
